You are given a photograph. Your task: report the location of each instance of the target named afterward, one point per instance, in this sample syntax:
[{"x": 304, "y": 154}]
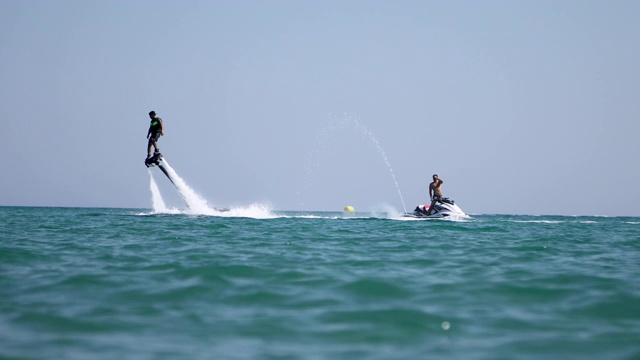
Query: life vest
[{"x": 155, "y": 125}]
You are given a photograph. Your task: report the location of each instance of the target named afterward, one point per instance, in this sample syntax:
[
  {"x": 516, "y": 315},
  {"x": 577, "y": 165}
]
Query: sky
[{"x": 521, "y": 107}]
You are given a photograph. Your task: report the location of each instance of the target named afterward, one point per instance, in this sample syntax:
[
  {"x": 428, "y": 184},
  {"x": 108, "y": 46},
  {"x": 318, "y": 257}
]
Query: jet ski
[{"x": 444, "y": 207}]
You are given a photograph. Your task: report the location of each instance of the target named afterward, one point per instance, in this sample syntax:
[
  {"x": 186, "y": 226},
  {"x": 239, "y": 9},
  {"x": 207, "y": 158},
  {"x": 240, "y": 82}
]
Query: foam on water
[
  {"x": 447, "y": 218},
  {"x": 256, "y": 211},
  {"x": 197, "y": 205},
  {"x": 538, "y": 221}
]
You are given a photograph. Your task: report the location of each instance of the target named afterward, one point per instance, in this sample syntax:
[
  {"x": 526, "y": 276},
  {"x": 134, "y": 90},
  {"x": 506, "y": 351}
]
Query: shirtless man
[{"x": 435, "y": 192}]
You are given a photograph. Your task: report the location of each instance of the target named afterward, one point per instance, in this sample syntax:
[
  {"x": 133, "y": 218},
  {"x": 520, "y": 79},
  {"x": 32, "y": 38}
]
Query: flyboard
[{"x": 156, "y": 160}]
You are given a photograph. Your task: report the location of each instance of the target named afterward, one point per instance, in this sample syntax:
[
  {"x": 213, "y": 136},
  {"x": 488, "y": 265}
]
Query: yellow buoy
[{"x": 349, "y": 208}]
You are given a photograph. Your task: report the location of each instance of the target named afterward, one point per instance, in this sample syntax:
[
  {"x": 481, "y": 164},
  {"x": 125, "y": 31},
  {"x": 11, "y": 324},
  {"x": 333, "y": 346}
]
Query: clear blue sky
[{"x": 523, "y": 107}]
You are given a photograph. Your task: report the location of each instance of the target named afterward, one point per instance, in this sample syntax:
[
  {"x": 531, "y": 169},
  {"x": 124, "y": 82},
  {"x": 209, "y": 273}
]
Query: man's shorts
[{"x": 154, "y": 136}]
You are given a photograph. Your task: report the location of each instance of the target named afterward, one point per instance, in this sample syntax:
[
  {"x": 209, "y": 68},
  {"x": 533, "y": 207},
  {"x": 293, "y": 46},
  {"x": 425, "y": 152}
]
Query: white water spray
[
  {"x": 368, "y": 133},
  {"x": 197, "y": 205},
  {"x": 195, "y": 202},
  {"x": 156, "y": 198},
  {"x": 346, "y": 122}
]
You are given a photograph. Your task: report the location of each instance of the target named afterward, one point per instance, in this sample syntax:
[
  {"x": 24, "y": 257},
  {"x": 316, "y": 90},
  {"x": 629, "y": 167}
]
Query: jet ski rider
[
  {"x": 155, "y": 131},
  {"x": 435, "y": 192}
]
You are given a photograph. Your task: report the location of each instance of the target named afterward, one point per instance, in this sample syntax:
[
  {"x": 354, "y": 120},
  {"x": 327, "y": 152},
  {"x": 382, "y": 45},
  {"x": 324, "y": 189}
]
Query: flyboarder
[{"x": 155, "y": 131}]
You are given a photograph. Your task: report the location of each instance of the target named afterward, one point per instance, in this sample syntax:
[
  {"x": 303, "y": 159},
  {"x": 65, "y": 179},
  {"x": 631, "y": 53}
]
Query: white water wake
[
  {"x": 197, "y": 205},
  {"x": 255, "y": 211}
]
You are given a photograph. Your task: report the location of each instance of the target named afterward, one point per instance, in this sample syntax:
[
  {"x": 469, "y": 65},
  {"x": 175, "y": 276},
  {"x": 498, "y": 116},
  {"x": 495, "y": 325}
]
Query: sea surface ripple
[{"x": 81, "y": 283}]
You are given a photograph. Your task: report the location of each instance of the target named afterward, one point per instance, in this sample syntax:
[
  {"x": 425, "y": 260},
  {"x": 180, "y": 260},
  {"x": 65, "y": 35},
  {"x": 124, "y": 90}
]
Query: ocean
[{"x": 92, "y": 283}]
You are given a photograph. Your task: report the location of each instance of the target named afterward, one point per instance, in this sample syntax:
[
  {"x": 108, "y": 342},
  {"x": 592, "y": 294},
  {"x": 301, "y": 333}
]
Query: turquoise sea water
[{"x": 81, "y": 283}]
